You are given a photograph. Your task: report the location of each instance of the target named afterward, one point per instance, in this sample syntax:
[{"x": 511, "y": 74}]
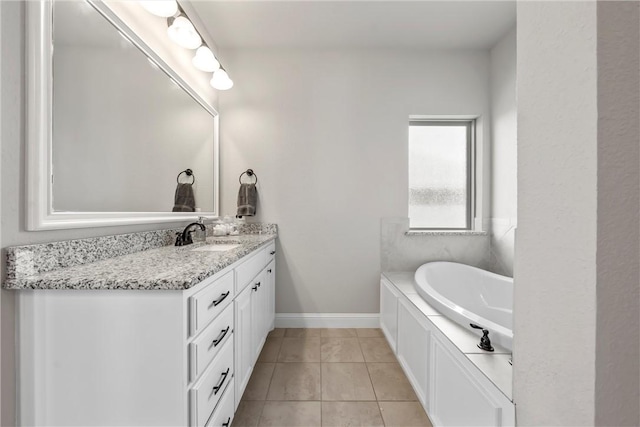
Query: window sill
[{"x": 445, "y": 233}]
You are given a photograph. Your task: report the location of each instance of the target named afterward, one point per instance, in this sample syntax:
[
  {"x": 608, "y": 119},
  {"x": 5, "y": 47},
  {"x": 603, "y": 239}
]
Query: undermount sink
[{"x": 214, "y": 248}]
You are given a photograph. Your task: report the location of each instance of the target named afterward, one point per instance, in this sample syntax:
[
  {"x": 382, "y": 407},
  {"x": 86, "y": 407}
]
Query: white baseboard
[{"x": 327, "y": 320}]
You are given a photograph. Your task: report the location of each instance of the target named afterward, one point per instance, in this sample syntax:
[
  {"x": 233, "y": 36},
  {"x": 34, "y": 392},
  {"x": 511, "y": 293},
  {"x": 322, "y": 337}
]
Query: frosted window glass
[{"x": 438, "y": 175}]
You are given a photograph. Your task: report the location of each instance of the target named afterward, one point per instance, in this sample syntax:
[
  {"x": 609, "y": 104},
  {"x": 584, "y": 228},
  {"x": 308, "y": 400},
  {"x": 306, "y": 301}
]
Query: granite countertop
[{"x": 163, "y": 268}]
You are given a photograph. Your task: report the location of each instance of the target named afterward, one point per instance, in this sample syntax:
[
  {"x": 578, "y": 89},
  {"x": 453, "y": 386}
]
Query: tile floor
[{"x": 328, "y": 377}]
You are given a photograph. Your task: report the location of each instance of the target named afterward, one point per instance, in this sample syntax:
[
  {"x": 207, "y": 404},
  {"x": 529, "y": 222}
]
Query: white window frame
[{"x": 474, "y": 175}]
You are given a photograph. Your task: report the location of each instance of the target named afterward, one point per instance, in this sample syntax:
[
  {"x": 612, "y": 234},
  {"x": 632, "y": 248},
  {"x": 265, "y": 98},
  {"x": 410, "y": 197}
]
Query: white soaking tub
[{"x": 467, "y": 295}]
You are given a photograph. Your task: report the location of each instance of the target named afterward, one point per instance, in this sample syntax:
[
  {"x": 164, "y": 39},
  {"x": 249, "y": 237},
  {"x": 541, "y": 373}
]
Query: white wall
[
  {"x": 617, "y": 380},
  {"x": 503, "y": 217},
  {"x": 12, "y": 136},
  {"x": 326, "y": 132},
  {"x": 555, "y": 262}
]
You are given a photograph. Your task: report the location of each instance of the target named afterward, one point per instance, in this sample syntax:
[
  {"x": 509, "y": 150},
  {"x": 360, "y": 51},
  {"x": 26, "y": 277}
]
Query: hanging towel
[
  {"x": 184, "y": 201},
  {"x": 247, "y": 199}
]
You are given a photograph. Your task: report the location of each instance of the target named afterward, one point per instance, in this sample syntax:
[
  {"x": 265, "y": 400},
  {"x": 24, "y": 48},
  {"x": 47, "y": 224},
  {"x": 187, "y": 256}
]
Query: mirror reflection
[{"x": 123, "y": 130}]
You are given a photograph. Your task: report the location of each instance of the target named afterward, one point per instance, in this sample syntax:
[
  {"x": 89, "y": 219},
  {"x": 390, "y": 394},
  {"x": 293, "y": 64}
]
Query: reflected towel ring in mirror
[
  {"x": 188, "y": 172},
  {"x": 249, "y": 173}
]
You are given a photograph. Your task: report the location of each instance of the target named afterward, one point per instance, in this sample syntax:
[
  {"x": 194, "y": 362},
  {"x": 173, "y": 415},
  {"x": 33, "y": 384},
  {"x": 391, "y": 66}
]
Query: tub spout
[{"x": 485, "y": 342}]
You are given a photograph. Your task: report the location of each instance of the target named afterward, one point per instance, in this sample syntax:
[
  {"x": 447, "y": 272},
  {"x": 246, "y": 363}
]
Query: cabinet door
[
  {"x": 413, "y": 348},
  {"x": 271, "y": 294},
  {"x": 389, "y": 312},
  {"x": 463, "y": 396},
  {"x": 243, "y": 342},
  {"x": 259, "y": 298}
]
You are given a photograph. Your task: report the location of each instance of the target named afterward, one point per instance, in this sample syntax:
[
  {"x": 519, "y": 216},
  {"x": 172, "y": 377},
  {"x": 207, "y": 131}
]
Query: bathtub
[{"x": 467, "y": 295}]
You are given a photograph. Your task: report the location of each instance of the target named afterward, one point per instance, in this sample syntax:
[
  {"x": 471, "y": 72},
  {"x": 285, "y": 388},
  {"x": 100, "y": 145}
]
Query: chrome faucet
[{"x": 185, "y": 238}]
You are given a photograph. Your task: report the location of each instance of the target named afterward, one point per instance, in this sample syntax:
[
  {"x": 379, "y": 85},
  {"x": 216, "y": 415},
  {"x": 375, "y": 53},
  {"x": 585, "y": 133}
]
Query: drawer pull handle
[
  {"x": 218, "y": 340},
  {"x": 269, "y": 271},
  {"x": 227, "y": 423},
  {"x": 258, "y": 284},
  {"x": 217, "y": 388},
  {"x": 219, "y": 300},
  {"x": 272, "y": 253},
  {"x": 255, "y": 288}
]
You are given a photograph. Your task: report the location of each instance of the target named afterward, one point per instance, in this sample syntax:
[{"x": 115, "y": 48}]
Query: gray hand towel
[
  {"x": 184, "y": 201},
  {"x": 247, "y": 199}
]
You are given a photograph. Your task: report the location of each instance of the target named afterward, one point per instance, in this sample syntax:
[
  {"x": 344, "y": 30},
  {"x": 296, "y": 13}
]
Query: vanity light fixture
[
  {"x": 221, "y": 80},
  {"x": 182, "y": 31},
  {"x": 163, "y": 8},
  {"x": 205, "y": 60}
]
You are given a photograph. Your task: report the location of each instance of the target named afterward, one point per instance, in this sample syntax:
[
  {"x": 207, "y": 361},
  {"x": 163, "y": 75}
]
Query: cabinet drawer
[
  {"x": 223, "y": 415},
  {"x": 249, "y": 269},
  {"x": 211, "y": 301},
  {"x": 271, "y": 252},
  {"x": 203, "y": 349},
  {"x": 206, "y": 393}
]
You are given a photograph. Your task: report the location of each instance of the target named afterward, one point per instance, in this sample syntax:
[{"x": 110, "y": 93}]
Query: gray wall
[
  {"x": 503, "y": 217},
  {"x": 326, "y": 132},
  {"x": 617, "y": 376},
  {"x": 576, "y": 351},
  {"x": 12, "y": 136}
]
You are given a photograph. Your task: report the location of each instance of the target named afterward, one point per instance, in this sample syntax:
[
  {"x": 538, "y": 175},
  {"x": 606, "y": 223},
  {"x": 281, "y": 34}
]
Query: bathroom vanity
[{"x": 164, "y": 336}]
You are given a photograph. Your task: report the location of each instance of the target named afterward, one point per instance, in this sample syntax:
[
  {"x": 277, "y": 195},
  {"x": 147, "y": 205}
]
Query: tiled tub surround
[
  {"x": 138, "y": 261},
  {"x": 453, "y": 378}
]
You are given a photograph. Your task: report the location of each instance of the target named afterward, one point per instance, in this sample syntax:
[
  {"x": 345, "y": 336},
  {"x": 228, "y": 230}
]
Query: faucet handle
[
  {"x": 485, "y": 342},
  {"x": 179, "y": 241}
]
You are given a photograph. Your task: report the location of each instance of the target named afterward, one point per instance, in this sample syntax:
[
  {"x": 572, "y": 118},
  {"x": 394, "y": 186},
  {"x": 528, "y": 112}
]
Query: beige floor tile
[
  {"x": 270, "y": 349},
  {"x": 302, "y": 332},
  {"x": 277, "y": 332},
  {"x": 338, "y": 414},
  {"x": 299, "y": 350},
  {"x": 259, "y": 382},
  {"x": 340, "y": 350},
  {"x": 377, "y": 350},
  {"x": 295, "y": 381},
  {"x": 405, "y": 414},
  {"x": 248, "y": 413},
  {"x": 291, "y": 414},
  {"x": 346, "y": 381},
  {"x": 338, "y": 332},
  {"x": 389, "y": 382},
  {"x": 369, "y": 332}
]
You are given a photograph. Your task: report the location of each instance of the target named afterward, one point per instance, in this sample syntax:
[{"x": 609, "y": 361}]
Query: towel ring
[
  {"x": 188, "y": 172},
  {"x": 249, "y": 173}
]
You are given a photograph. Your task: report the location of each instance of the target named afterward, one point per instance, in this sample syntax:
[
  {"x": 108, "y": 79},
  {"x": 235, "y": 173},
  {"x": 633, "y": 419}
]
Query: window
[{"x": 441, "y": 174}]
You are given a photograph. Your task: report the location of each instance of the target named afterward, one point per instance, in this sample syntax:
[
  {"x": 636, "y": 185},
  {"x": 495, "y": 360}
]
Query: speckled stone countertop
[{"x": 163, "y": 268}]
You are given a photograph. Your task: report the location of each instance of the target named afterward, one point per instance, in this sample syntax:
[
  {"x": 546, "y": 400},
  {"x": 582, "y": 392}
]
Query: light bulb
[
  {"x": 221, "y": 80},
  {"x": 164, "y": 8},
  {"x": 205, "y": 60},
  {"x": 184, "y": 33}
]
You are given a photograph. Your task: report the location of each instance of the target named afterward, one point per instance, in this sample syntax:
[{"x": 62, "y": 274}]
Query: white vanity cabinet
[
  {"x": 255, "y": 317},
  {"x": 144, "y": 357}
]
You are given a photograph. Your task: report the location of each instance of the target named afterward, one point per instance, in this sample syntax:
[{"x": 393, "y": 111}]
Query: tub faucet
[
  {"x": 185, "y": 238},
  {"x": 485, "y": 342}
]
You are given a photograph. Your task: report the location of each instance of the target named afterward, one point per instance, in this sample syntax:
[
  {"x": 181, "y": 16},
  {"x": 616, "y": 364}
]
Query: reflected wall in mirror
[
  {"x": 122, "y": 128},
  {"x": 110, "y": 124}
]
